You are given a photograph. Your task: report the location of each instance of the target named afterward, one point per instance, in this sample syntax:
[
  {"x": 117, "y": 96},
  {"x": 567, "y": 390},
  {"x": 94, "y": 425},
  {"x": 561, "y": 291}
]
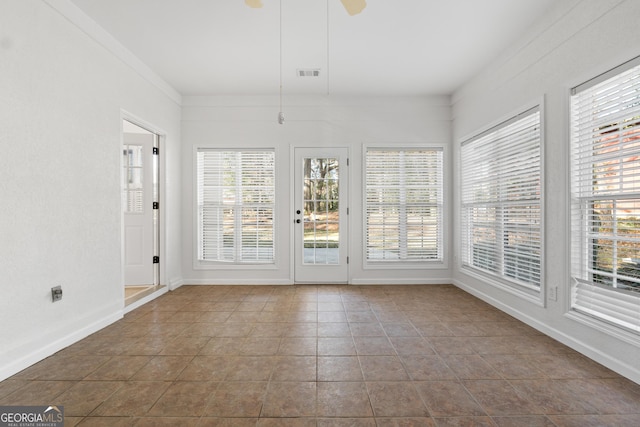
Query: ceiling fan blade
[
  {"x": 353, "y": 7},
  {"x": 255, "y": 4}
]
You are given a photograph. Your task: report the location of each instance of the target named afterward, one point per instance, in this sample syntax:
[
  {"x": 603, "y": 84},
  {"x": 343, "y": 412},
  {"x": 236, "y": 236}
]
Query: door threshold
[{"x": 137, "y": 292}]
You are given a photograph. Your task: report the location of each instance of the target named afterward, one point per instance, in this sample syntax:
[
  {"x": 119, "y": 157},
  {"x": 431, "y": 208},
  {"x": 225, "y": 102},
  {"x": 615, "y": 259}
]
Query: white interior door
[
  {"x": 320, "y": 215},
  {"x": 137, "y": 202}
]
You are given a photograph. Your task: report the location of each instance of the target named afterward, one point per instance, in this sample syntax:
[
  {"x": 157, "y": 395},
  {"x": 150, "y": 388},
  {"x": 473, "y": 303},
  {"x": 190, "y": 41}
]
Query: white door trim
[
  {"x": 161, "y": 137},
  {"x": 306, "y": 271}
]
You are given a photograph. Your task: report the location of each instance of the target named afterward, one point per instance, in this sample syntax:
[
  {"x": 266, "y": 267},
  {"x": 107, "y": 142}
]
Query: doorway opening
[{"x": 141, "y": 211}]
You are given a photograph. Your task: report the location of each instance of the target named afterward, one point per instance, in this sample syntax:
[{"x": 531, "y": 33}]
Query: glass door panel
[{"x": 321, "y": 214}]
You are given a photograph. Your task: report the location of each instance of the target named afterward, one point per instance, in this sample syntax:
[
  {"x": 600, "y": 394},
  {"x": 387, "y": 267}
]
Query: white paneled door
[
  {"x": 137, "y": 202},
  {"x": 320, "y": 215}
]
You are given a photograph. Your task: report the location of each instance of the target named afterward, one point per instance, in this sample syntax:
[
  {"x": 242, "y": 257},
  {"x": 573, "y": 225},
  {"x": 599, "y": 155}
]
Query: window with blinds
[
  {"x": 236, "y": 201},
  {"x": 501, "y": 201},
  {"x": 403, "y": 204},
  {"x": 605, "y": 178}
]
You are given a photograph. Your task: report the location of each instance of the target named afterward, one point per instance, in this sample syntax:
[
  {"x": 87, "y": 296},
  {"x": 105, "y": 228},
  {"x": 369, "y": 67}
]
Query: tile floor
[{"x": 324, "y": 356}]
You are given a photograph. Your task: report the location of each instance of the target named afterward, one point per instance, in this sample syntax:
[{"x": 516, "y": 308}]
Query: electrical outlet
[
  {"x": 553, "y": 293},
  {"x": 56, "y": 293}
]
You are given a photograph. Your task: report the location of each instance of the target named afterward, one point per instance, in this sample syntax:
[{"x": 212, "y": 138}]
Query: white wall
[
  {"x": 577, "y": 41},
  {"x": 322, "y": 121},
  {"x": 61, "y": 100}
]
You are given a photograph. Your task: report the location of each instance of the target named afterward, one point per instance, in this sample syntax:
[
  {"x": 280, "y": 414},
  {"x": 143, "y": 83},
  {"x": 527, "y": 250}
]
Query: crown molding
[{"x": 90, "y": 27}]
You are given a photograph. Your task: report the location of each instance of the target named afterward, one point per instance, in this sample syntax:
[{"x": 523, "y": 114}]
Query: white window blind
[
  {"x": 236, "y": 200},
  {"x": 605, "y": 159},
  {"x": 403, "y": 204},
  {"x": 501, "y": 209}
]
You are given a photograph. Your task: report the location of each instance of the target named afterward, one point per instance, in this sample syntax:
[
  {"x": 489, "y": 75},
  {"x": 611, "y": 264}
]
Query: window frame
[
  {"x": 439, "y": 263},
  {"x": 583, "y": 286},
  {"x": 200, "y": 264},
  {"x": 534, "y": 294}
]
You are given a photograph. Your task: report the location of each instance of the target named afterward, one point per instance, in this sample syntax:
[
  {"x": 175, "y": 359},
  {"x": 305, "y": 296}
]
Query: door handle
[{"x": 297, "y": 221}]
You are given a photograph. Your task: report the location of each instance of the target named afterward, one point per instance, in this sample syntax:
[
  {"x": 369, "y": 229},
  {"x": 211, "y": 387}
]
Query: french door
[
  {"x": 320, "y": 215},
  {"x": 137, "y": 192}
]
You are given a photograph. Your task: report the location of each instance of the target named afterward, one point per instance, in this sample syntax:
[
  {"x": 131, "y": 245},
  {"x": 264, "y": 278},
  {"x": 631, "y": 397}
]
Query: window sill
[
  {"x": 400, "y": 265},
  {"x": 233, "y": 266},
  {"x": 604, "y": 327}
]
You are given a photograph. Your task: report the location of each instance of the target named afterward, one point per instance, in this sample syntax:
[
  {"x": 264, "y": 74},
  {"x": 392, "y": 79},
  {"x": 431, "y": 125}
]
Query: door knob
[
  {"x": 298, "y": 212},
  {"x": 297, "y": 221}
]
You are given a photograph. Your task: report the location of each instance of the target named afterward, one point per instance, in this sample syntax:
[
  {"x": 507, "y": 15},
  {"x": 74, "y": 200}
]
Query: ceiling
[{"x": 393, "y": 47}]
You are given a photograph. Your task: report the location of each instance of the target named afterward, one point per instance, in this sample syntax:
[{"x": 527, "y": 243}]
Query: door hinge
[
  {"x": 347, "y": 161},
  {"x": 347, "y": 260},
  {"x": 156, "y": 150},
  {"x": 156, "y": 259},
  {"x": 347, "y": 211},
  {"x": 156, "y": 205}
]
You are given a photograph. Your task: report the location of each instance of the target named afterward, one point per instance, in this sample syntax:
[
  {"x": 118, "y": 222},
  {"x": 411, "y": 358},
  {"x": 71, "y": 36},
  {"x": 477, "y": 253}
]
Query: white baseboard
[
  {"x": 445, "y": 281},
  {"x": 175, "y": 283},
  {"x": 624, "y": 369},
  {"x": 53, "y": 347},
  {"x": 234, "y": 282}
]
